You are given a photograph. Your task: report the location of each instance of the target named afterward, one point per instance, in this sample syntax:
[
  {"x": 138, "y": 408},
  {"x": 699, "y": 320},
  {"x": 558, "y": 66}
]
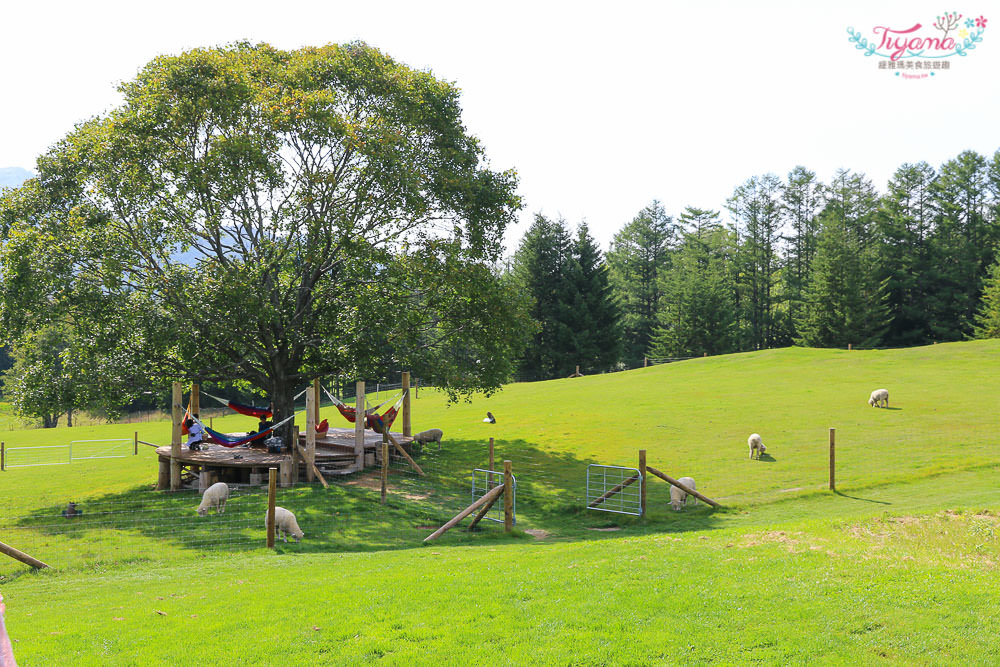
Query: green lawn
[{"x": 892, "y": 568}]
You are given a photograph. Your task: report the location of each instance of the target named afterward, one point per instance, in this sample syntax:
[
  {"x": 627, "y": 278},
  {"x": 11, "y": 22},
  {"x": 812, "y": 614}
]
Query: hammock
[
  {"x": 323, "y": 426},
  {"x": 249, "y": 410},
  {"x": 236, "y": 440},
  {"x": 373, "y": 420}
]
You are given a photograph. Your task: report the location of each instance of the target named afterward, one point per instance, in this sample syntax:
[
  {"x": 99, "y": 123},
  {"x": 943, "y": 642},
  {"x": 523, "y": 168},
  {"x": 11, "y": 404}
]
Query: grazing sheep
[
  {"x": 678, "y": 498},
  {"x": 285, "y": 524},
  {"x": 214, "y": 496},
  {"x": 429, "y": 436},
  {"x": 756, "y": 446},
  {"x": 879, "y": 398}
]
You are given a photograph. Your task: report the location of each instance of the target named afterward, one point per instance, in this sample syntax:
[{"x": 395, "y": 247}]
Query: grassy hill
[{"x": 888, "y": 569}]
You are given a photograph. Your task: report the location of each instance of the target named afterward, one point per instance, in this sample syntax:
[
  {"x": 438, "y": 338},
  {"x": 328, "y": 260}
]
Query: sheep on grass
[
  {"x": 756, "y": 446},
  {"x": 429, "y": 436},
  {"x": 214, "y": 496},
  {"x": 678, "y": 497},
  {"x": 285, "y": 524},
  {"x": 879, "y": 398}
]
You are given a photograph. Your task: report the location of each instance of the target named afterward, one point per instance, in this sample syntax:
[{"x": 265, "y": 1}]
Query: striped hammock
[{"x": 373, "y": 420}]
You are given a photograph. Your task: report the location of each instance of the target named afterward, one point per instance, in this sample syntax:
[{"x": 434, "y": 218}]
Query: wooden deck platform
[{"x": 335, "y": 449}]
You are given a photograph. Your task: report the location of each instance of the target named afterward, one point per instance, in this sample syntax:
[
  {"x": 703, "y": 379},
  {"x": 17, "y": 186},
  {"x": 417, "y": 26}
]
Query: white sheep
[
  {"x": 879, "y": 398},
  {"x": 678, "y": 497},
  {"x": 214, "y": 496},
  {"x": 431, "y": 435},
  {"x": 756, "y": 446},
  {"x": 285, "y": 524}
]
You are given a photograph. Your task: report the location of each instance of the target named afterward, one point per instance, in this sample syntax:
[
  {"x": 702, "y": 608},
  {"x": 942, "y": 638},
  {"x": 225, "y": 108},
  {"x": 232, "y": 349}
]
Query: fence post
[
  {"x": 3, "y": 456},
  {"x": 175, "y": 436},
  {"x": 833, "y": 460},
  {"x": 407, "y": 429},
  {"x": 272, "y": 478},
  {"x": 135, "y": 443},
  {"x": 508, "y": 498},
  {"x": 645, "y": 362},
  {"x": 642, "y": 481},
  {"x": 385, "y": 462},
  {"x": 312, "y": 410}
]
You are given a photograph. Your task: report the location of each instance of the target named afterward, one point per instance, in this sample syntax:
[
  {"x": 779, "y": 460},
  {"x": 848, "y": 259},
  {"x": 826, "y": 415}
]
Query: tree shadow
[{"x": 349, "y": 516}]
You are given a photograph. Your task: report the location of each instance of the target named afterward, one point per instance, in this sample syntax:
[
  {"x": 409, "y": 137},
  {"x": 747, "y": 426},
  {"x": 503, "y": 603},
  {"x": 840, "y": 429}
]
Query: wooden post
[
  {"x": 484, "y": 511},
  {"x": 17, "y": 554},
  {"x": 645, "y": 362},
  {"x": 312, "y": 403},
  {"x": 848, "y": 347},
  {"x": 508, "y": 498},
  {"x": 682, "y": 487},
  {"x": 642, "y": 482},
  {"x": 177, "y": 412},
  {"x": 3, "y": 456},
  {"x": 163, "y": 481},
  {"x": 407, "y": 429},
  {"x": 211, "y": 422},
  {"x": 315, "y": 389},
  {"x": 402, "y": 452},
  {"x": 359, "y": 425},
  {"x": 272, "y": 479},
  {"x": 135, "y": 443},
  {"x": 289, "y": 472},
  {"x": 833, "y": 460},
  {"x": 385, "y": 462},
  {"x": 195, "y": 399},
  {"x": 416, "y": 389}
]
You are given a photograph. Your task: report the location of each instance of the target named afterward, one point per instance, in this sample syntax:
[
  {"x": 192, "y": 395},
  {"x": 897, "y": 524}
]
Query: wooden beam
[
  {"x": 312, "y": 403},
  {"x": 642, "y": 487},
  {"x": 482, "y": 512},
  {"x": 833, "y": 459},
  {"x": 177, "y": 413},
  {"x": 17, "y": 554},
  {"x": 682, "y": 487},
  {"x": 399, "y": 448},
  {"x": 407, "y": 429},
  {"x": 143, "y": 442},
  {"x": 315, "y": 388},
  {"x": 631, "y": 480},
  {"x": 272, "y": 478},
  {"x": 385, "y": 463},
  {"x": 315, "y": 469},
  {"x": 3, "y": 456},
  {"x": 359, "y": 425},
  {"x": 196, "y": 399},
  {"x": 493, "y": 494}
]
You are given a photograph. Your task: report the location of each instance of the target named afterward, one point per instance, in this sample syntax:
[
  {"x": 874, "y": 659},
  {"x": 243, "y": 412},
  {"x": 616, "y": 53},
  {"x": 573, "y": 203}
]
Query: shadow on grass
[
  {"x": 766, "y": 458},
  {"x": 867, "y": 500},
  {"x": 551, "y": 497}
]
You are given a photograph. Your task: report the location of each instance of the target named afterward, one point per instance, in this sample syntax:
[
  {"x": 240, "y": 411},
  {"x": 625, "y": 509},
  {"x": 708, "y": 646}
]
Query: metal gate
[{"x": 614, "y": 489}]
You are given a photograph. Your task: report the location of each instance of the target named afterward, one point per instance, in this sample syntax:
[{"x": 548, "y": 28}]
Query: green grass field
[{"x": 892, "y": 568}]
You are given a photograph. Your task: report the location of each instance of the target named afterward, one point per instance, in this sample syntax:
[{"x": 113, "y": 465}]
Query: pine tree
[
  {"x": 697, "y": 314},
  {"x": 844, "y": 303},
  {"x": 904, "y": 226},
  {"x": 755, "y": 207},
  {"x": 639, "y": 253},
  {"x": 541, "y": 268},
  {"x": 594, "y": 313},
  {"x": 988, "y": 316},
  {"x": 801, "y": 199}
]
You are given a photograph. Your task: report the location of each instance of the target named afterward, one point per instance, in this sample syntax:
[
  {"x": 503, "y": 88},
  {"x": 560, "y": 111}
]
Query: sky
[{"x": 600, "y": 107}]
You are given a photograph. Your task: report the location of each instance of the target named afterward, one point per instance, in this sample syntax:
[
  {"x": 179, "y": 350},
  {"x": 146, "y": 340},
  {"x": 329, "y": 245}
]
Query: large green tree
[
  {"x": 639, "y": 253},
  {"x": 987, "y": 321},
  {"x": 594, "y": 312},
  {"x": 249, "y": 213},
  {"x": 542, "y": 269}
]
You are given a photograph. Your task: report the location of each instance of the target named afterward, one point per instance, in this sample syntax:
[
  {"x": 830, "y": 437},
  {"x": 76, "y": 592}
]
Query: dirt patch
[
  {"x": 606, "y": 530},
  {"x": 374, "y": 482},
  {"x": 794, "y": 488},
  {"x": 537, "y": 533}
]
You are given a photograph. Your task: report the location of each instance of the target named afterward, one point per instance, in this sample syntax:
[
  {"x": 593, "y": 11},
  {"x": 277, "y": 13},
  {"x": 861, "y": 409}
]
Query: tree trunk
[
  {"x": 283, "y": 405},
  {"x": 69, "y": 417},
  {"x": 50, "y": 421}
]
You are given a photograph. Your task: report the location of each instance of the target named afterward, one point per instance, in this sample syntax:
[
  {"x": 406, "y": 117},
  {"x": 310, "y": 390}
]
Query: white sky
[{"x": 600, "y": 107}]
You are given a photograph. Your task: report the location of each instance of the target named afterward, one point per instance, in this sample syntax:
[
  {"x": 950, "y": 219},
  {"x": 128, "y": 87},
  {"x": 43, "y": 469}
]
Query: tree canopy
[{"x": 254, "y": 214}]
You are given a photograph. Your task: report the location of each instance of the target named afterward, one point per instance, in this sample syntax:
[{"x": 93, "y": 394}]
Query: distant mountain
[{"x": 12, "y": 177}]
